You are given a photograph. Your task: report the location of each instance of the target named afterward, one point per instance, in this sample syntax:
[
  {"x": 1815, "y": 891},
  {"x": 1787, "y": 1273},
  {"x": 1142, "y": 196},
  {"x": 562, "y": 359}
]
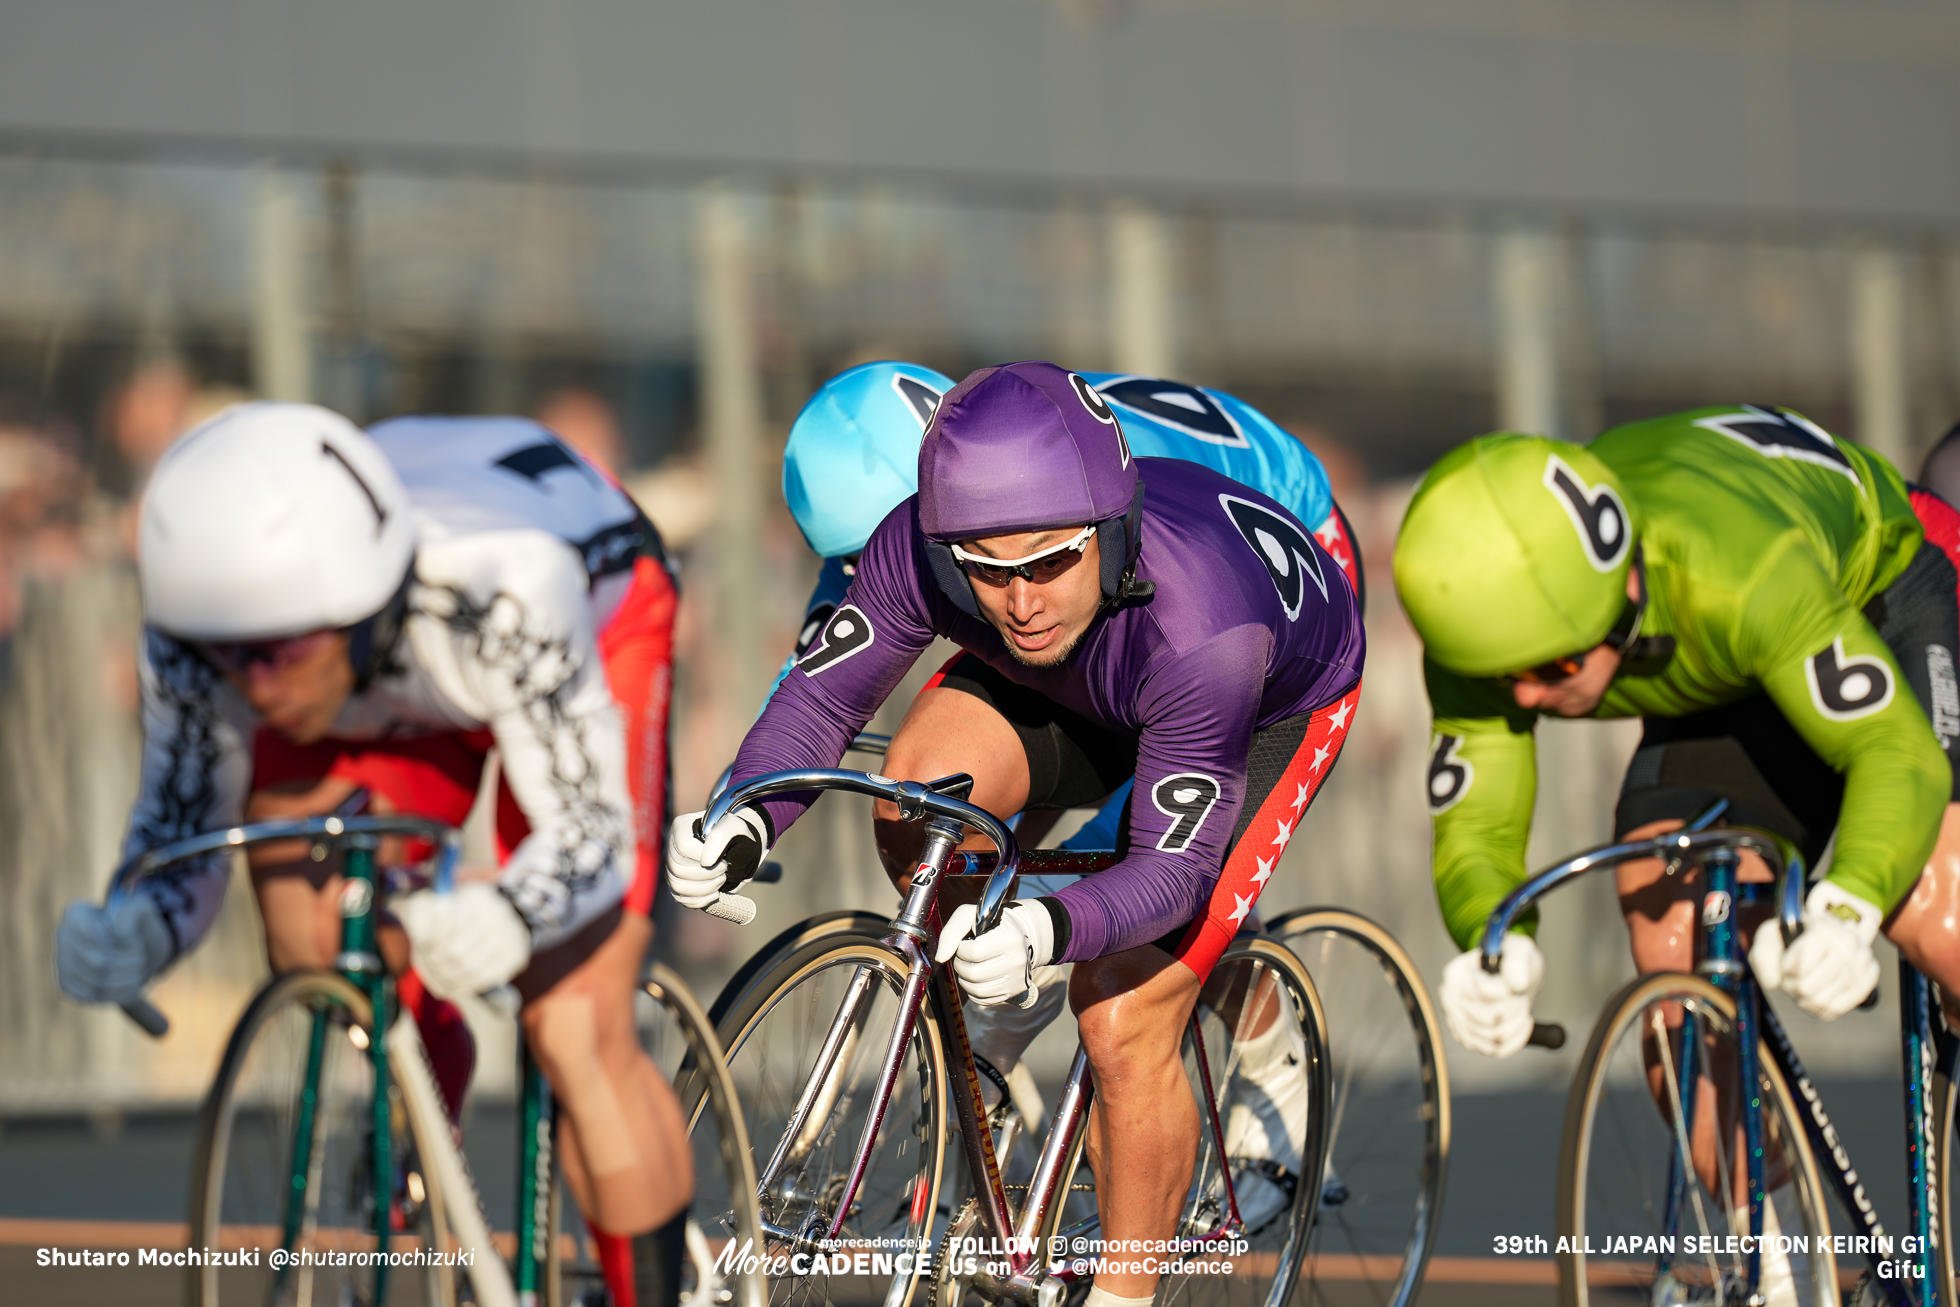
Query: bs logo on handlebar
[
  {"x": 1845, "y": 688},
  {"x": 847, "y": 632}
]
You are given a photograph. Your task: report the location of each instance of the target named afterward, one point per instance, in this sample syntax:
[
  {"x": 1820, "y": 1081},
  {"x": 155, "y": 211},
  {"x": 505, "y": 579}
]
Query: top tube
[
  {"x": 1678, "y": 847},
  {"x": 912, "y": 799},
  {"x": 329, "y": 829}
]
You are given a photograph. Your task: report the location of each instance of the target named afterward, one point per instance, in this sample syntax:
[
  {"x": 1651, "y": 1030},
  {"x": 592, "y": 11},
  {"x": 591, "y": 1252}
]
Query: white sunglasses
[{"x": 1051, "y": 562}]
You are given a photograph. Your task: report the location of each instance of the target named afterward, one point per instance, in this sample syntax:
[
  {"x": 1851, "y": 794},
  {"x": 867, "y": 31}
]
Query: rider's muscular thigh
[
  {"x": 944, "y": 732},
  {"x": 1926, "y": 927},
  {"x": 299, "y": 899},
  {"x": 1661, "y": 909}
]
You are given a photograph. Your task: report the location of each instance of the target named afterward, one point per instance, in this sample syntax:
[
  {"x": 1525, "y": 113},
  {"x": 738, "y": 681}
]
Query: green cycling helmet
[{"x": 1514, "y": 552}]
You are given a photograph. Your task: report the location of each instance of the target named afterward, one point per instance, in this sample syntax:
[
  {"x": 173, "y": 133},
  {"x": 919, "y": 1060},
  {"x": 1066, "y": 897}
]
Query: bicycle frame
[
  {"x": 1924, "y": 1046},
  {"x": 360, "y": 963},
  {"x": 913, "y": 935}
]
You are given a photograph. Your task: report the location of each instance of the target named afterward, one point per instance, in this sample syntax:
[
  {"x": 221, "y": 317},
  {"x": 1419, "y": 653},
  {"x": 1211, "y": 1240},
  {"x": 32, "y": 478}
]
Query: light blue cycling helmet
[{"x": 853, "y": 453}]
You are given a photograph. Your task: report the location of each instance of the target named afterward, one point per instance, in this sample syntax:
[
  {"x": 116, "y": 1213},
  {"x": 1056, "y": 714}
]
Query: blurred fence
[{"x": 673, "y": 330}]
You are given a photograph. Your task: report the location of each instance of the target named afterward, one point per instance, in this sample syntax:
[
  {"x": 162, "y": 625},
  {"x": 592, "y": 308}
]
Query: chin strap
[{"x": 371, "y": 641}]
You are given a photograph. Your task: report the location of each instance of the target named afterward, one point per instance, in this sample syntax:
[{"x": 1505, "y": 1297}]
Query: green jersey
[{"x": 1763, "y": 537}]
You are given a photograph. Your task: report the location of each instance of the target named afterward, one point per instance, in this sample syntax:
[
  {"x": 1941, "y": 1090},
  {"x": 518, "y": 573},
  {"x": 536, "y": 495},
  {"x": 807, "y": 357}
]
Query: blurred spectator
[
  {"x": 588, "y": 424},
  {"x": 149, "y": 411},
  {"x": 158, "y": 403},
  {"x": 40, "y": 501}
]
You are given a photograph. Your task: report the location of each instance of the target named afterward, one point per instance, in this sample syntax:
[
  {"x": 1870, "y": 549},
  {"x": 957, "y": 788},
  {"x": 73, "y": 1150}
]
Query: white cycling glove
[
  {"x": 1492, "y": 1014},
  {"x": 106, "y": 954},
  {"x": 1830, "y": 969},
  {"x": 466, "y": 941},
  {"x": 1000, "y": 966},
  {"x": 700, "y": 863}
]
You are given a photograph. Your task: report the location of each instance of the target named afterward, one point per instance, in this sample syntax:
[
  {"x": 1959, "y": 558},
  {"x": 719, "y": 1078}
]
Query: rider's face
[
  {"x": 1042, "y": 620},
  {"x": 300, "y": 697},
  {"x": 1579, "y": 693}
]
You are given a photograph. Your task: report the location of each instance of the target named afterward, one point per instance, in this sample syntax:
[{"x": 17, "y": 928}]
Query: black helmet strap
[{"x": 371, "y": 641}]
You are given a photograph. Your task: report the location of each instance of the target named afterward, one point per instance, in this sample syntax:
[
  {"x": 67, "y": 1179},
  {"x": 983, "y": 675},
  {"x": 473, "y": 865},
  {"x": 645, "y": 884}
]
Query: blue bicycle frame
[{"x": 1925, "y": 1045}]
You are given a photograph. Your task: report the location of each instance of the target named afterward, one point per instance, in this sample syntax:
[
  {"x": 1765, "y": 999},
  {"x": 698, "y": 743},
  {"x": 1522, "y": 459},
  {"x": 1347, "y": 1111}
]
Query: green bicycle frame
[
  {"x": 360, "y": 962},
  {"x": 534, "y": 1176}
]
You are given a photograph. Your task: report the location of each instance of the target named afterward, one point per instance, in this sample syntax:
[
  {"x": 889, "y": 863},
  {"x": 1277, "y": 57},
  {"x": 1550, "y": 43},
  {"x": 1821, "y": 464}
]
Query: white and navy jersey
[{"x": 524, "y": 552}]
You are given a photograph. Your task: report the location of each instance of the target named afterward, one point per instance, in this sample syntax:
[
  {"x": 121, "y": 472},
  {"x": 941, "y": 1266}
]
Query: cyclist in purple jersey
[{"x": 1195, "y": 635}]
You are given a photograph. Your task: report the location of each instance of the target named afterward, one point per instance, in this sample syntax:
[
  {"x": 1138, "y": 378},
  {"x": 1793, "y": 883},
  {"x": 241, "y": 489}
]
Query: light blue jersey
[
  {"x": 1161, "y": 419},
  {"x": 1169, "y": 419}
]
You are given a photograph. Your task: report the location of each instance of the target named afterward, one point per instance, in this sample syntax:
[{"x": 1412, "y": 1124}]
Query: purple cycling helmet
[{"x": 1025, "y": 447}]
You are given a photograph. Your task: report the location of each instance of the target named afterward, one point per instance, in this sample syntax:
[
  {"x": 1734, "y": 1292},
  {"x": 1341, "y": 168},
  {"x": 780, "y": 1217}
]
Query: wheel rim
[
  {"x": 248, "y": 1154},
  {"x": 1388, "y": 1114},
  {"x": 771, "y": 1053},
  {"x": 1265, "y": 1270},
  {"x": 1647, "y": 1159}
]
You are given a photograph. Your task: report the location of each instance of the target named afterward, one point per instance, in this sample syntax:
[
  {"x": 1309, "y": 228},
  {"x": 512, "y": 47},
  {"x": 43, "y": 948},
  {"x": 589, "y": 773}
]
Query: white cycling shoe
[{"x": 1264, "y": 1123}]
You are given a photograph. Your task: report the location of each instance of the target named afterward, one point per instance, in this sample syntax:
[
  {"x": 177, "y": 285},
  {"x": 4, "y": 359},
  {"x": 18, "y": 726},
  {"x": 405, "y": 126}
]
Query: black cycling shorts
[
  {"x": 1072, "y": 762},
  {"x": 1748, "y": 753}
]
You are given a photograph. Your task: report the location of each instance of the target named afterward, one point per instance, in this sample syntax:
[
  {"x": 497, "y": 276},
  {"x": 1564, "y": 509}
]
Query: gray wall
[{"x": 1779, "y": 108}]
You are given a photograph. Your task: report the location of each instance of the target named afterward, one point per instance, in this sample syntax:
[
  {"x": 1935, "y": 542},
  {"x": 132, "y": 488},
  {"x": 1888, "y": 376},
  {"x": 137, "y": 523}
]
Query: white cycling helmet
[{"x": 272, "y": 520}]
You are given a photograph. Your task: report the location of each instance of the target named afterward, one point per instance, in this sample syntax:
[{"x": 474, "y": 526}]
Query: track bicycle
[
  {"x": 1691, "y": 1108},
  {"x": 1388, "y": 1131},
  {"x": 847, "y": 1048},
  {"x": 324, "y": 1143}
]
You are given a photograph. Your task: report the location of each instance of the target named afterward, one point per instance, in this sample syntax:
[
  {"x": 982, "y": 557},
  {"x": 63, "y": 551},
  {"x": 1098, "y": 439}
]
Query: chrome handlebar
[
  {"x": 912, "y": 799},
  {"x": 333, "y": 829},
  {"x": 1679, "y": 847}
]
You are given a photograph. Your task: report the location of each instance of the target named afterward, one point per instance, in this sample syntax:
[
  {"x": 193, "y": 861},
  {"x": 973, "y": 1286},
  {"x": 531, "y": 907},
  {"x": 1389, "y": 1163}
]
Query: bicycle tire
[
  {"x": 844, "y": 921},
  {"x": 1943, "y": 1155},
  {"x": 724, "y": 1206},
  {"x": 242, "y": 1167},
  {"x": 1618, "y": 1176},
  {"x": 1388, "y": 1115},
  {"x": 1267, "y": 1274},
  {"x": 773, "y": 1037}
]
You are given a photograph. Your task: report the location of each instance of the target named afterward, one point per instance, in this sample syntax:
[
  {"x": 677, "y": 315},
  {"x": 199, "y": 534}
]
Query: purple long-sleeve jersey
[{"x": 1251, "y": 623}]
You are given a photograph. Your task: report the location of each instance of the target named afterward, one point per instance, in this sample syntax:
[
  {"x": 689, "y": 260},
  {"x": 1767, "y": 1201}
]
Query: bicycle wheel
[
  {"x": 1943, "y": 1156},
  {"x": 1388, "y": 1122},
  {"x": 1651, "y": 1162},
  {"x": 839, "y": 993},
  {"x": 679, "y": 1038},
  {"x": 845, "y": 921},
  {"x": 285, "y": 1158},
  {"x": 1256, "y": 976}
]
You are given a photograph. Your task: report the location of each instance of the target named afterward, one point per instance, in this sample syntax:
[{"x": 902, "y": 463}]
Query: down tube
[
  {"x": 1833, "y": 1159},
  {"x": 1917, "y": 1048}
]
